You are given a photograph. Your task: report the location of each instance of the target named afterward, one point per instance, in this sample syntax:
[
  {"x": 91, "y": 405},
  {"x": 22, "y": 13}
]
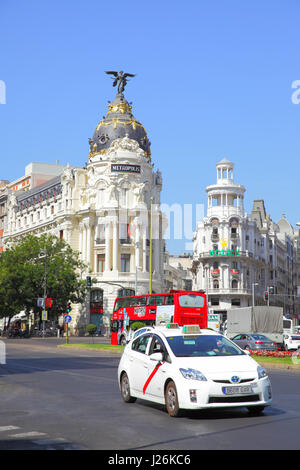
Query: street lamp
[
  {"x": 44, "y": 254},
  {"x": 150, "y": 267},
  {"x": 253, "y": 301}
]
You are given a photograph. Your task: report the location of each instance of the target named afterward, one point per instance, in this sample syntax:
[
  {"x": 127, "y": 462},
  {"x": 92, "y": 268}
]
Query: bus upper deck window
[
  {"x": 169, "y": 300},
  {"x": 125, "y": 302},
  {"x": 133, "y": 301},
  {"x": 151, "y": 300},
  {"x": 142, "y": 301},
  {"x": 160, "y": 299},
  {"x": 118, "y": 304}
]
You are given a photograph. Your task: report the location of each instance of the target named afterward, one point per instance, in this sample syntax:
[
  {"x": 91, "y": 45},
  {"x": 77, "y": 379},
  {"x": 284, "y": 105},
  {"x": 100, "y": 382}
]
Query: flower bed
[{"x": 275, "y": 353}]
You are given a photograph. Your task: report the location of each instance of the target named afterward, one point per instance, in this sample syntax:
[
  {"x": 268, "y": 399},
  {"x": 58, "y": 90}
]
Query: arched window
[
  {"x": 234, "y": 284},
  {"x": 125, "y": 292},
  {"x": 216, "y": 284},
  {"x": 97, "y": 296}
]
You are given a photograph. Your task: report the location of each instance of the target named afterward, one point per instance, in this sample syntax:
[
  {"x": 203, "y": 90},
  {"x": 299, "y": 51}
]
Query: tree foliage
[{"x": 27, "y": 264}]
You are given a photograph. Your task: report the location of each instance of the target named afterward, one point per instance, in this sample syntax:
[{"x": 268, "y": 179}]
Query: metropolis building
[{"x": 107, "y": 210}]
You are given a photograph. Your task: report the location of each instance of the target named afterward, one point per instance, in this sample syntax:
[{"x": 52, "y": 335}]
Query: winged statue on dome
[{"x": 120, "y": 79}]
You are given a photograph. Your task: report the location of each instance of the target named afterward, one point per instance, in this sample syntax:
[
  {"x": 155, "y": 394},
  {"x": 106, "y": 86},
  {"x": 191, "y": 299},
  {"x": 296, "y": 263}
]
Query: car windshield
[
  {"x": 191, "y": 301},
  {"x": 203, "y": 346}
]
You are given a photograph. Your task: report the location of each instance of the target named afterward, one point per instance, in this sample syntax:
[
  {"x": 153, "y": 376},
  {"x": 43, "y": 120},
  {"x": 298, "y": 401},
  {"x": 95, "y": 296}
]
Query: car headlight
[
  {"x": 261, "y": 372},
  {"x": 192, "y": 374}
]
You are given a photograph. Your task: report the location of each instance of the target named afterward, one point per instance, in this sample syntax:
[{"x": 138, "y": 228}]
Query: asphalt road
[{"x": 53, "y": 399}]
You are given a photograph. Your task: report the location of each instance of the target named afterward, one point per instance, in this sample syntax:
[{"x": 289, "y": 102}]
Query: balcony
[
  {"x": 125, "y": 241},
  {"x": 100, "y": 241},
  {"x": 224, "y": 253},
  {"x": 231, "y": 291},
  {"x": 215, "y": 272},
  {"x": 215, "y": 237},
  {"x": 234, "y": 235},
  {"x": 235, "y": 271}
]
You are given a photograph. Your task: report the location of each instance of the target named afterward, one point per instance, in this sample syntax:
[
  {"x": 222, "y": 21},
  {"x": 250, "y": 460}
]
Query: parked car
[
  {"x": 254, "y": 342},
  {"x": 291, "y": 342}
]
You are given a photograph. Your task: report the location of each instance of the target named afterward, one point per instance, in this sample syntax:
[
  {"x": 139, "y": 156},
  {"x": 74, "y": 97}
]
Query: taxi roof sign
[
  {"x": 172, "y": 325},
  {"x": 191, "y": 329}
]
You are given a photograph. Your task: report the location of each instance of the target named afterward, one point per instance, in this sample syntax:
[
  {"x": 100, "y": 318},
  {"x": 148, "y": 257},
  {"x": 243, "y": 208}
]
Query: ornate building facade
[
  {"x": 104, "y": 210},
  {"x": 239, "y": 257}
]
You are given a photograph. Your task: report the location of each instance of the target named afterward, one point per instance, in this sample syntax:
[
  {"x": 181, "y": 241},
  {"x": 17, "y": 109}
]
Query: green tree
[{"x": 38, "y": 266}]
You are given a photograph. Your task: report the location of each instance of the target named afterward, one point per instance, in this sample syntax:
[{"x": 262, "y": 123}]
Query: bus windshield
[{"x": 191, "y": 301}]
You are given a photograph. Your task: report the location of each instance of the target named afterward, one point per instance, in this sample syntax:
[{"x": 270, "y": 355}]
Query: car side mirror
[{"x": 158, "y": 356}]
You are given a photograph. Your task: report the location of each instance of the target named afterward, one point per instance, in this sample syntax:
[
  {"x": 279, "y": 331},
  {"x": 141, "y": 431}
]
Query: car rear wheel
[
  {"x": 171, "y": 400},
  {"x": 125, "y": 389}
]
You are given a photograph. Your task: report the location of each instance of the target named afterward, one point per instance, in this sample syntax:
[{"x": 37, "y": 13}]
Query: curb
[
  {"x": 79, "y": 348},
  {"x": 267, "y": 365}
]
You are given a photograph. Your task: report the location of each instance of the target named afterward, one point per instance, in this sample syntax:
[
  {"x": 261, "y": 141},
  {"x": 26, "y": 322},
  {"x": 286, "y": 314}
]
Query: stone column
[
  {"x": 84, "y": 241},
  {"x": 138, "y": 246},
  {"x": 107, "y": 246},
  {"x": 88, "y": 243},
  {"x": 115, "y": 244},
  {"x": 144, "y": 245}
]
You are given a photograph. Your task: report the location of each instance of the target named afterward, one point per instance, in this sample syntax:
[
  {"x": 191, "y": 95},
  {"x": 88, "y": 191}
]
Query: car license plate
[{"x": 237, "y": 390}]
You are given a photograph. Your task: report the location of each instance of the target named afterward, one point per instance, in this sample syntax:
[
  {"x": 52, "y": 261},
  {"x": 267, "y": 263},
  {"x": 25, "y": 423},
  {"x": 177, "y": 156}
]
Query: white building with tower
[
  {"x": 107, "y": 210},
  {"x": 229, "y": 261}
]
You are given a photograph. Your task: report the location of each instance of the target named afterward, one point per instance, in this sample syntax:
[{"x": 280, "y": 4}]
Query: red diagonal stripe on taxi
[{"x": 151, "y": 376}]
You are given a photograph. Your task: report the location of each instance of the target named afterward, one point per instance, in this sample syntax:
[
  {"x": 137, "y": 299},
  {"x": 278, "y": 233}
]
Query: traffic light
[
  {"x": 69, "y": 308},
  {"x": 48, "y": 302},
  {"x": 88, "y": 281},
  {"x": 266, "y": 295}
]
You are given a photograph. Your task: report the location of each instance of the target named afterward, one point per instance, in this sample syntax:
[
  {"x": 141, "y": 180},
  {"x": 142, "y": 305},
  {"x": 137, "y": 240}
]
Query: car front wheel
[
  {"x": 125, "y": 389},
  {"x": 255, "y": 410},
  {"x": 171, "y": 400}
]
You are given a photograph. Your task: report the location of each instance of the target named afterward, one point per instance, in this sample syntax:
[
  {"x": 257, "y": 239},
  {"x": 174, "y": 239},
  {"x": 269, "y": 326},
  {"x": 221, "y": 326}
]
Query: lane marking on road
[
  {"x": 8, "y": 428},
  {"x": 58, "y": 440},
  {"x": 29, "y": 434}
]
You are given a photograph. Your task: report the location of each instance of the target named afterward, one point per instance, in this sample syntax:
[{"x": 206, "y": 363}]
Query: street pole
[
  {"x": 45, "y": 287},
  {"x": 253, "y": 299},
  {"x": 150, "y": 267}
]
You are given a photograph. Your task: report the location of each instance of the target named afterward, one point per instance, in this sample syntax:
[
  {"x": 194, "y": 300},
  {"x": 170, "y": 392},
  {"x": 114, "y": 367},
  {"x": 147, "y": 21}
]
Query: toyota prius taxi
[{"x": 188, "y": 368}]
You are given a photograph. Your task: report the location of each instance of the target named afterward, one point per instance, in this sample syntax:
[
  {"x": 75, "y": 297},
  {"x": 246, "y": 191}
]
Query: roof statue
[{"x": 120, "y": 79}]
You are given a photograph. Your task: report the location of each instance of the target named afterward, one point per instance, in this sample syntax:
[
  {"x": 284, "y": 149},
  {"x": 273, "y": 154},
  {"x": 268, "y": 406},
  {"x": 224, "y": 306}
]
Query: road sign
[
  {"x": 41, "y": 302},
  {"x": 44, "y": 315},
  {"x": 68, "y": 318}
]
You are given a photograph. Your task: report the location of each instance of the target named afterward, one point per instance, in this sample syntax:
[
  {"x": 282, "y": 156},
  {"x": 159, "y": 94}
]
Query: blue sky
[{"x": 213, "y": 80}]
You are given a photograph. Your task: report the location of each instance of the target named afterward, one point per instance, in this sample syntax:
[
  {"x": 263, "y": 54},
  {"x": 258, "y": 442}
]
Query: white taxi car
[
  {"x": 185, "y": 368},
  {"x": 291, "y": 342}
]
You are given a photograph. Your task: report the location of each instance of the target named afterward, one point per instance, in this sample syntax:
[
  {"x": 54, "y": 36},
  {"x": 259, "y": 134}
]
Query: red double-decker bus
[{"x": 177, "y": 306}]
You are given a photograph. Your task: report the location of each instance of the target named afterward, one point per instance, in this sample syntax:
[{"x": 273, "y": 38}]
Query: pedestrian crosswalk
[{"x": 15, "y": 438}]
